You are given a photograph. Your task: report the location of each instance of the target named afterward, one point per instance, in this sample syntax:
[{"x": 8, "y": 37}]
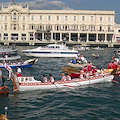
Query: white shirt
[
  {"x": 19, "y": 70},
  {"x": 68, "y": 77},
  {"x": 52, "y": 79},
  {"x": 64, "y": 78},
  {"x": 45, "y": 79}
]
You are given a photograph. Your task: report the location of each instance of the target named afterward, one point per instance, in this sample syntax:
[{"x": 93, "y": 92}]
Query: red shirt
[
  {"x": 89, "y": 67},
  {"x": 109, "y": 65}
]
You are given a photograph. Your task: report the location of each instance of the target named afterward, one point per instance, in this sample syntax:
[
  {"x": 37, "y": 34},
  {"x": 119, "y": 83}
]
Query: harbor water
[{"x": 91, "y": 102}]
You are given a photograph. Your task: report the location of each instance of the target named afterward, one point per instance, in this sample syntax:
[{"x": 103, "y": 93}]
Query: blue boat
[{"x": 27, "y": 63}]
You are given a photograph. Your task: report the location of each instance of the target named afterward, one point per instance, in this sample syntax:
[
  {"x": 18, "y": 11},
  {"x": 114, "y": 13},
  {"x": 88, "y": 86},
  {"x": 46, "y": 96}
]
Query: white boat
[
  {"x": 81, "y": 48},
  {"x": 30, "y": 84},
  {"x": 96, "y": 55},
  {"x": 98, "y": 48},
  {"x": 52, "y": 50},
  {"x": 8, "y": 50},
  {"x": 10, "y": 58}
]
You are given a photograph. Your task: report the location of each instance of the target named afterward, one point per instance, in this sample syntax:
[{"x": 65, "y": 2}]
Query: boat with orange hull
[{"x": 4, "y": 90}]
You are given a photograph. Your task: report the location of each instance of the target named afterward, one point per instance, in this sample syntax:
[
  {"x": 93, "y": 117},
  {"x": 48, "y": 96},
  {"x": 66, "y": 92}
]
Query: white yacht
[{"x": 51, "y": 50}]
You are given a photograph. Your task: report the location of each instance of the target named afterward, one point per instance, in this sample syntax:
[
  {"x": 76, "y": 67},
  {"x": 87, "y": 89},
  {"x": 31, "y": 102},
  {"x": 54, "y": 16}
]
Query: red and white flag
[
  {"x": 34, "y": 34},
  {"x": 7, "y": 67}
]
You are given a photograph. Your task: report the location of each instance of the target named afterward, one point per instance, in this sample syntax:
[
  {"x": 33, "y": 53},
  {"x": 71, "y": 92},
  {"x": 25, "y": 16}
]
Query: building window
[
  {"x": 32, "y": 17},
  {"x": 5, "y": 36},
  {"x": 74, "y": 17},
  {"x": 14, "y": 27},
  {"x": 91, "y": 18},
  {"x": 31, "y": 36},
  {"x": 100, "y": 18},
  {"x": 83, "y": 18},
  {"x": 5, "y": 17},
  {"x": 23, "y": 37},
  {"x": 48, "y": 17},
  {"x": 5, "y": 27},
  {"x": 32, "y": 27},
  {"x": 14, "y": 16},
  {"x": 65, "y": 17},
  {"x": 57, "y": 17},
  {"x": 41, "y": 17},
  {"x": 109, "y": 19},
  {"x": 23, "y": 17},
  {"x": 23, "y": 27}
]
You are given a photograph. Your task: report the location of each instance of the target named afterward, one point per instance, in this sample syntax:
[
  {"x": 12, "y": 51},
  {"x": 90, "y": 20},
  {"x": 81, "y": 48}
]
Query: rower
[
  {"x": 44, "y": 79},
  {"x": 68, "y": 78},
  {"x": 81, "y": 75},
  {"x": 63, "y": 77},
  {"x": 51, "y": 79}
]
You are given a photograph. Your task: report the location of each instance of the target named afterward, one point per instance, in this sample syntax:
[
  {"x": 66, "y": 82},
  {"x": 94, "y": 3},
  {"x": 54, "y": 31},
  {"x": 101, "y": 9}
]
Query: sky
[{"x": 112, "y": 5}]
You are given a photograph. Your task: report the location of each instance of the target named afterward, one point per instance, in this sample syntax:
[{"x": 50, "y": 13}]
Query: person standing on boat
[
  {"x": 0, "y": 77},
  {"x": 89, "y": 67},
  {"x": 51, "y": 79},
  {"x": 63, "y": 77},
  {"x": 44, "y": 79},
  {"x": 72, "y": 61},
  {"x": 18, "y": 73}
]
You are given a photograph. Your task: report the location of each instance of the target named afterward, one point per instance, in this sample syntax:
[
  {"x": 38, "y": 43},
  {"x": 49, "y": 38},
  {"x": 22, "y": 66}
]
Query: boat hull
[
  {"x": 36, "y": 85},
  {"x": 12, "y": 51},
  {"x": 77, "y": 65},
  {"x": 11, "y": 58},
  {"x": 51, "y": 54},
  {"x": 4, "y": 90}
]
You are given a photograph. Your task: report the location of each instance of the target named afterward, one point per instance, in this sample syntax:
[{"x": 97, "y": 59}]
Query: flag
[
  {"x": 114, "y": 37},
  {"x": 14, "y": 2},
  {"x": 79, "y": 36},
  {"x": 34, "y": 34},
  {"x": 7, "y": 67}
]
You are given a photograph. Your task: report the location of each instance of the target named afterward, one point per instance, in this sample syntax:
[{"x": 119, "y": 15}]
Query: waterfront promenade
[{"x": 69, "y": 43}]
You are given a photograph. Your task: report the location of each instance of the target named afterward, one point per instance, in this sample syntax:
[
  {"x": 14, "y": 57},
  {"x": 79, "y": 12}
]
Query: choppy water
[{"x": 100, "y": 102}]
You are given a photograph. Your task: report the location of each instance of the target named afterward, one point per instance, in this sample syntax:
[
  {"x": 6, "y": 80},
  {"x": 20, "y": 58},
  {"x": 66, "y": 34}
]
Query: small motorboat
[
  {"x": 12, "y": 50},
  {"x": 98, "y": 48},
  {"x": 4, "y": 90},
  {"x": 27, "y": 63},
  {"x": 81, "y": 48},
  {"x": 10, "y": 58},
  {"x": 96, "y": 55}
]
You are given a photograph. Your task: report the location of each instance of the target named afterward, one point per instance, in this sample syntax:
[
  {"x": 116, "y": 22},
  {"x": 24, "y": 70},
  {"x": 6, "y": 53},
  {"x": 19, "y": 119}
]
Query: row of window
[
  {"x": 14, "y": 17},
  {"x": 59, "y": 27}
]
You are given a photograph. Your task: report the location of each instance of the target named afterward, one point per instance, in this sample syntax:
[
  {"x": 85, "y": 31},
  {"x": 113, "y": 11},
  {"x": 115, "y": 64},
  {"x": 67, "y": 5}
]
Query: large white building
[{"x": 20, "y": 24}]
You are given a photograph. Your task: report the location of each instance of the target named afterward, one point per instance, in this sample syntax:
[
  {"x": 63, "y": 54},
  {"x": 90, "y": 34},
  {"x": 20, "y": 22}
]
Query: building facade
[{"x": 23, "y": 25}]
